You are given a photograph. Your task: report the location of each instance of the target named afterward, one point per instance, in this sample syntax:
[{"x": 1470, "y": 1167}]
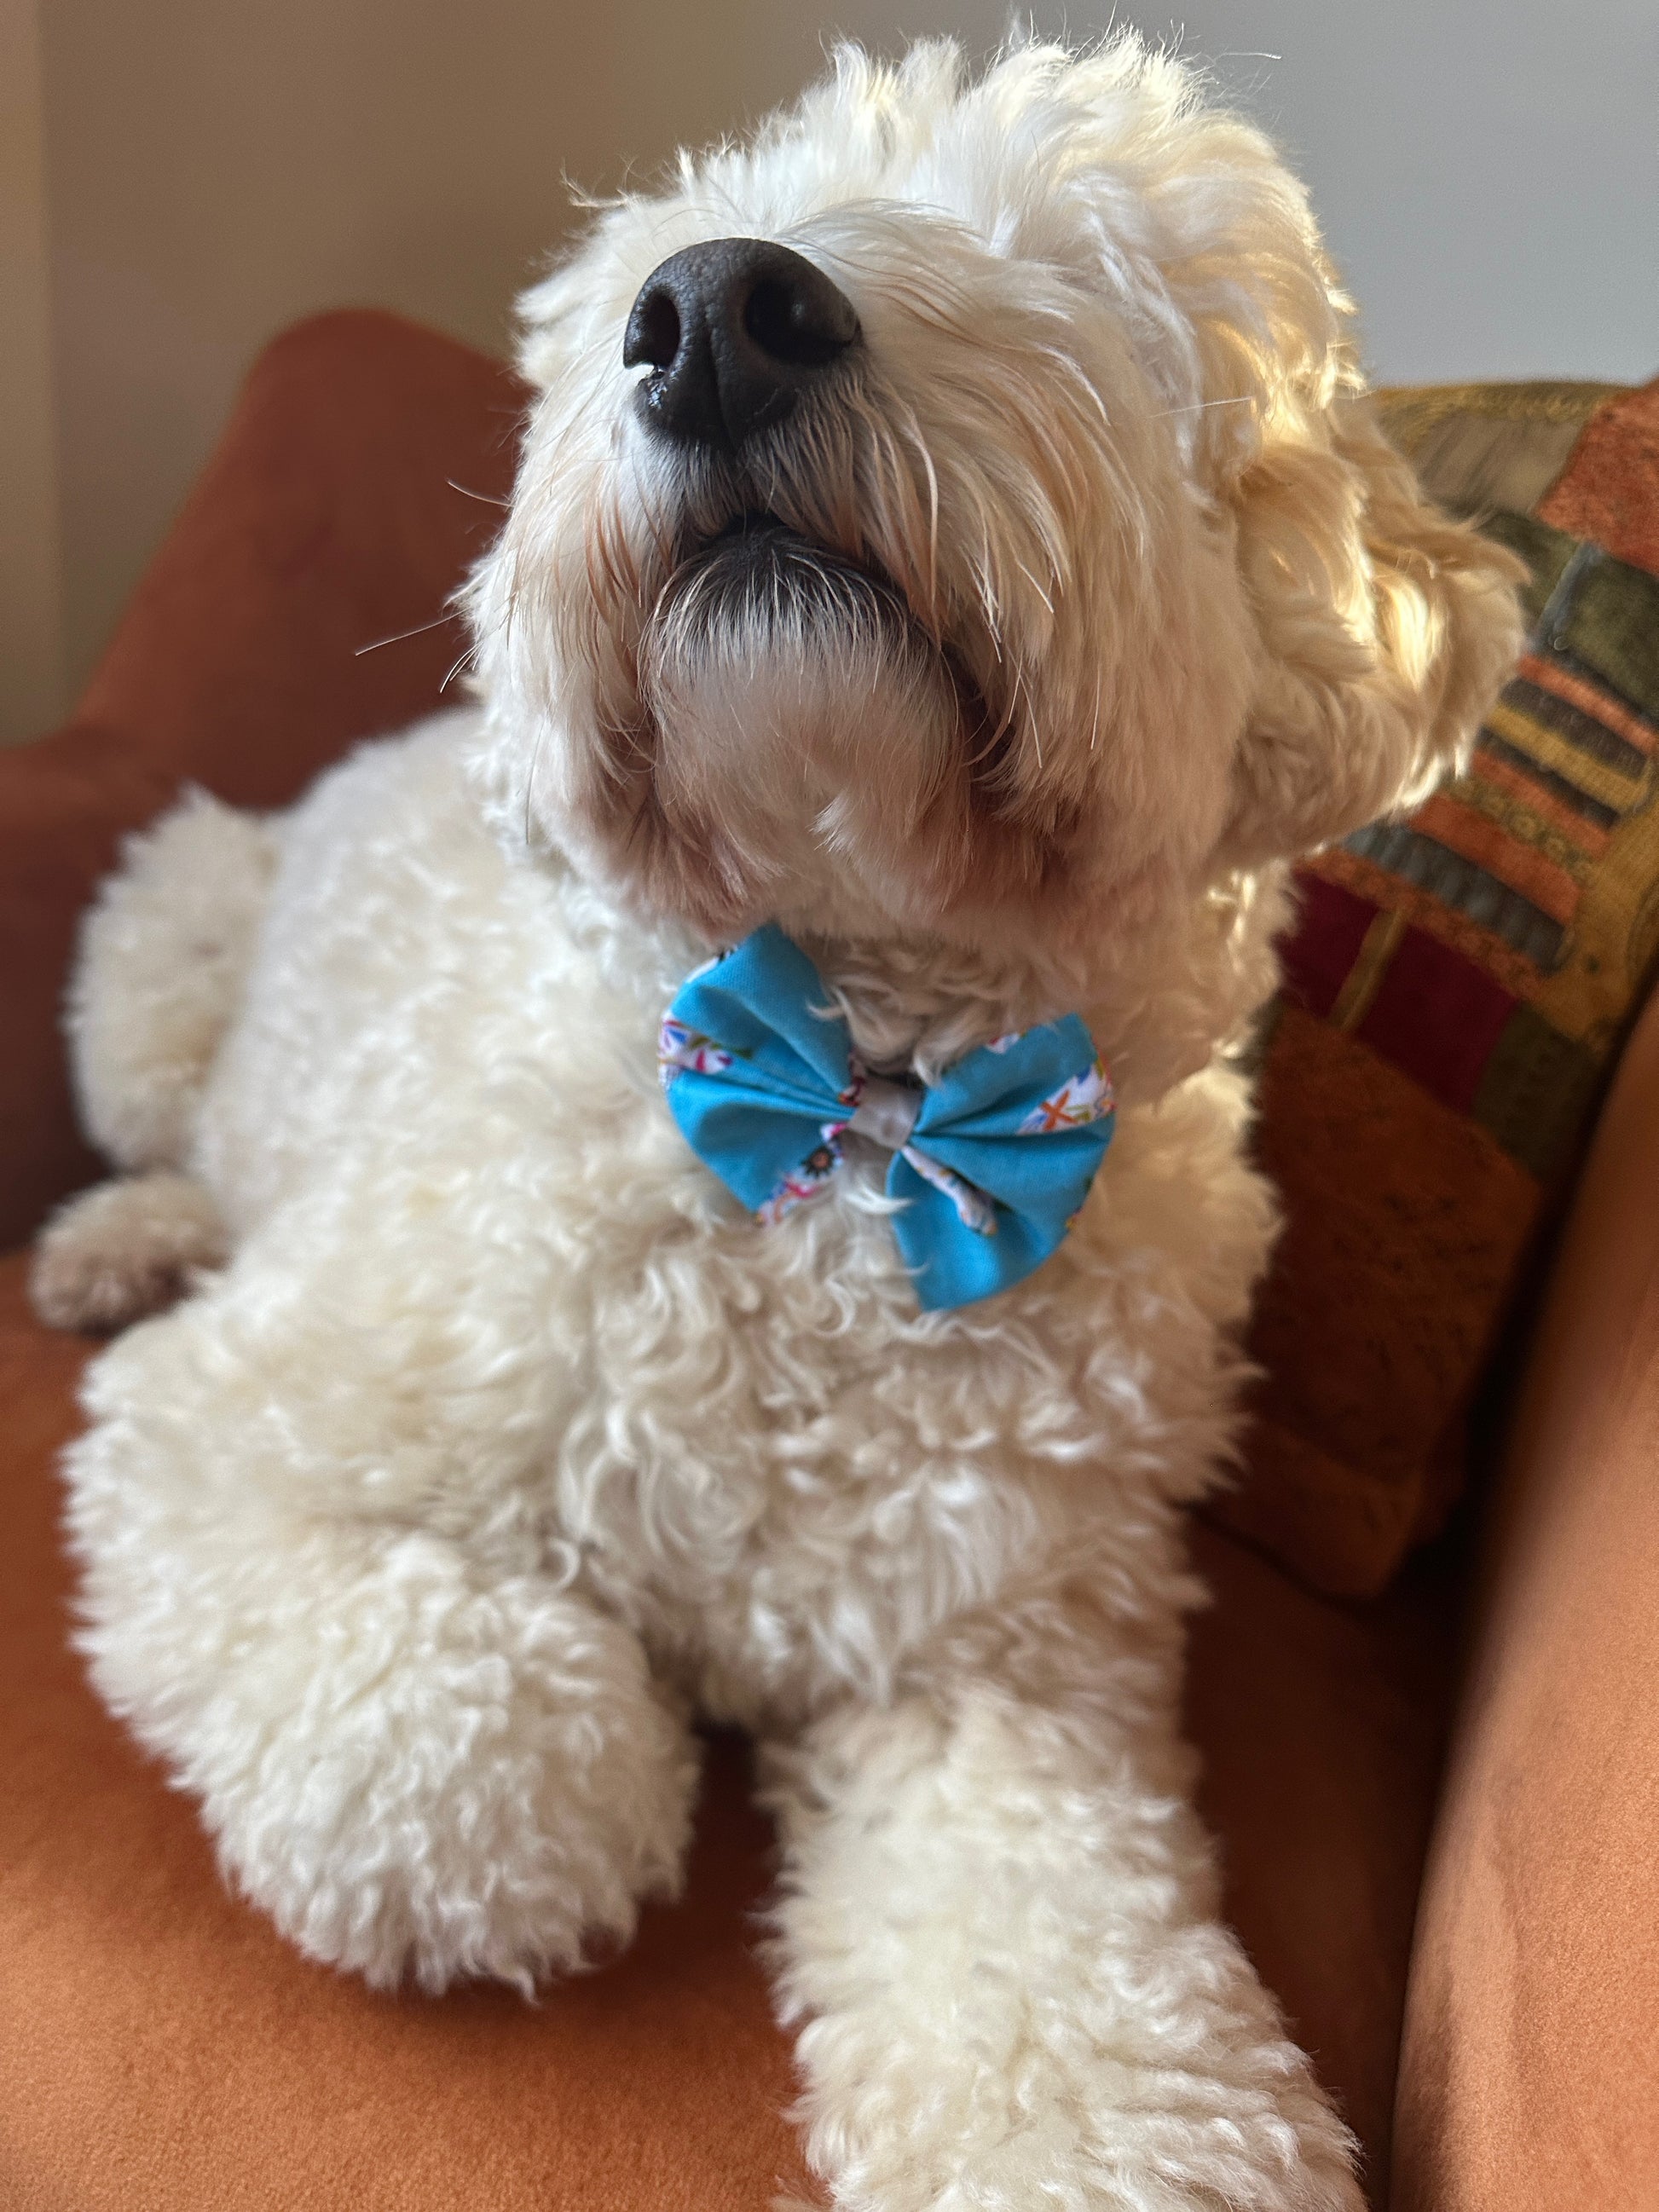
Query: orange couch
[{"x": 1461, "y": 1844}]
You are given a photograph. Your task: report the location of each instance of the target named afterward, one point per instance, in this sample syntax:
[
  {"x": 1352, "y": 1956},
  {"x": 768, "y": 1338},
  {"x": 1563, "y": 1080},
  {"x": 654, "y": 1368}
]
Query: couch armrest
[
  {"x": 1530, "y": 2074},
  {"x": 360, "y": 472},
  {"x": 63, "y": 805}
]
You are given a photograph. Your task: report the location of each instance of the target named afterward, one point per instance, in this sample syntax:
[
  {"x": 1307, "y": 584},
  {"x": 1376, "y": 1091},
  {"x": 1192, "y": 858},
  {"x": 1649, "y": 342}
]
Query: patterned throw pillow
[{"x": 1456, "y": 994}]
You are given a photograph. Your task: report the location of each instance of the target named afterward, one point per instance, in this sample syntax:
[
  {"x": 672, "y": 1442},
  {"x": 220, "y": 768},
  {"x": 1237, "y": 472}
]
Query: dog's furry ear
[{"x": 1385, "y": 628}]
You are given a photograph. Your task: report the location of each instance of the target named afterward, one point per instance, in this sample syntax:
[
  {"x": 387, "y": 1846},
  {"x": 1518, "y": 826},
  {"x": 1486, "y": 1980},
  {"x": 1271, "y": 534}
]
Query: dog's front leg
[
  {"x": 418, "y": 1750},
  {"x": 999, "y": 1927}
]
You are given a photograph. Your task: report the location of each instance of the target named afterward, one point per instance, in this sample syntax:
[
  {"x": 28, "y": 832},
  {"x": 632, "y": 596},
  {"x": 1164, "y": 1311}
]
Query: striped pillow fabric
[{"x": 1456, "y": 993}]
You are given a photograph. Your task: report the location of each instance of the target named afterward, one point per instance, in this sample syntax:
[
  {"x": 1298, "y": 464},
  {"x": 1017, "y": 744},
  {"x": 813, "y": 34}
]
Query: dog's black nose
[{"x": 734, "y": 332}]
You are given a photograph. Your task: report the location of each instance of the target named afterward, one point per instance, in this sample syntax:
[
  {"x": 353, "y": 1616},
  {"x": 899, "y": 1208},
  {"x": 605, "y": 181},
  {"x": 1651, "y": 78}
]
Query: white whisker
[
  {"x": 455, "y": 667},
  {"x": 397, "y": 637},
  {"x": 483, "y": 498}
]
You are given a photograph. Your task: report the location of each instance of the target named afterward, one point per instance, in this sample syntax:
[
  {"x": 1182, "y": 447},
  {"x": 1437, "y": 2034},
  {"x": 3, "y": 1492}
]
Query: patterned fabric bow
[{"x": 991, "y": 1162}]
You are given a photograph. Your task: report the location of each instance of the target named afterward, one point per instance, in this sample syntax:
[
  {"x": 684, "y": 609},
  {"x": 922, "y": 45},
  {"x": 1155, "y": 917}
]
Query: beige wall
[
  {"x": 179, "y": 178},
  {"x": 31, "y": 613},
  {"x": 217, "y": 168}
]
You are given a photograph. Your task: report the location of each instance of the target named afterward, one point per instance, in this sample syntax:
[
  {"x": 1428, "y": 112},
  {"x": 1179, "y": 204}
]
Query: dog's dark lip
[
  {"x": 752, "y": 522},
  {"x": 761, "y": 527},
  {"x": 757, "y": 525}
]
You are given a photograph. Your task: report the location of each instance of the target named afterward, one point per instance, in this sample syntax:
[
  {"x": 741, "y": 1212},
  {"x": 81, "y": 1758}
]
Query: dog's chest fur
[{"x": 743, "y": 1438}]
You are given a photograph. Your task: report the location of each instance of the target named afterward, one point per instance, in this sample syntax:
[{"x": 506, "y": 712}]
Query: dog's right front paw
[
  {"x": 420, "y": 1775},
  {"x": 491, "y": 1812},
  {"x": 485, "y": 1827}
]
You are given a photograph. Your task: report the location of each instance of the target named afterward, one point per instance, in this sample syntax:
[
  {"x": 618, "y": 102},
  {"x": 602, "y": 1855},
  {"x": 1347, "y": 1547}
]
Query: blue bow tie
[{"x": 991, "y": 1162}]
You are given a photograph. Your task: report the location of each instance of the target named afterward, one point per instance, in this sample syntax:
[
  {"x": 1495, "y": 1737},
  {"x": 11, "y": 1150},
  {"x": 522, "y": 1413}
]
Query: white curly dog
[{"x": 950, "y": 528}]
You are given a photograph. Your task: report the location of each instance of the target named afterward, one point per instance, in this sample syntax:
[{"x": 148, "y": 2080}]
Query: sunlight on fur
[{"x": 988, "y": 568}]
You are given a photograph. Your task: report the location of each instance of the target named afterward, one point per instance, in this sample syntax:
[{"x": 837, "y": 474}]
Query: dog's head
[{"x": 953, "y": 516}]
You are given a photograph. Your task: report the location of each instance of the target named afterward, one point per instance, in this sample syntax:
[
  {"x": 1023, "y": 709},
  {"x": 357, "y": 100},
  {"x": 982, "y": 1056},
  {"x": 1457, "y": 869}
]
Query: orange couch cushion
[
  {"x": 162, "y": 2051},
  {"x": 1530, "y": 2076}
]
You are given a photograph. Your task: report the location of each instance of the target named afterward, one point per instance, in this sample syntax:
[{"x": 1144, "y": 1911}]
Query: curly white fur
[{"x": 503, "y": 1442}]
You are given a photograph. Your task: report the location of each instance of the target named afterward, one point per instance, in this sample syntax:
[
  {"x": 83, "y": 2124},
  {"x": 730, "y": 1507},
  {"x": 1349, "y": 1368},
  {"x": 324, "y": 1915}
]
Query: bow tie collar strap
[{"x": 990, "y": 1163}]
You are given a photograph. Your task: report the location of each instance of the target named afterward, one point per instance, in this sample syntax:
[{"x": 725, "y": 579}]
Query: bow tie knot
[
  {"x": 990, "y": 1163},
  {"x": 885, "y": 1112}
]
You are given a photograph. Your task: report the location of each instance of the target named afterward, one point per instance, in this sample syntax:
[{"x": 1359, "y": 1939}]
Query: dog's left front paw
[{"x": 1008, "y": 2155}]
